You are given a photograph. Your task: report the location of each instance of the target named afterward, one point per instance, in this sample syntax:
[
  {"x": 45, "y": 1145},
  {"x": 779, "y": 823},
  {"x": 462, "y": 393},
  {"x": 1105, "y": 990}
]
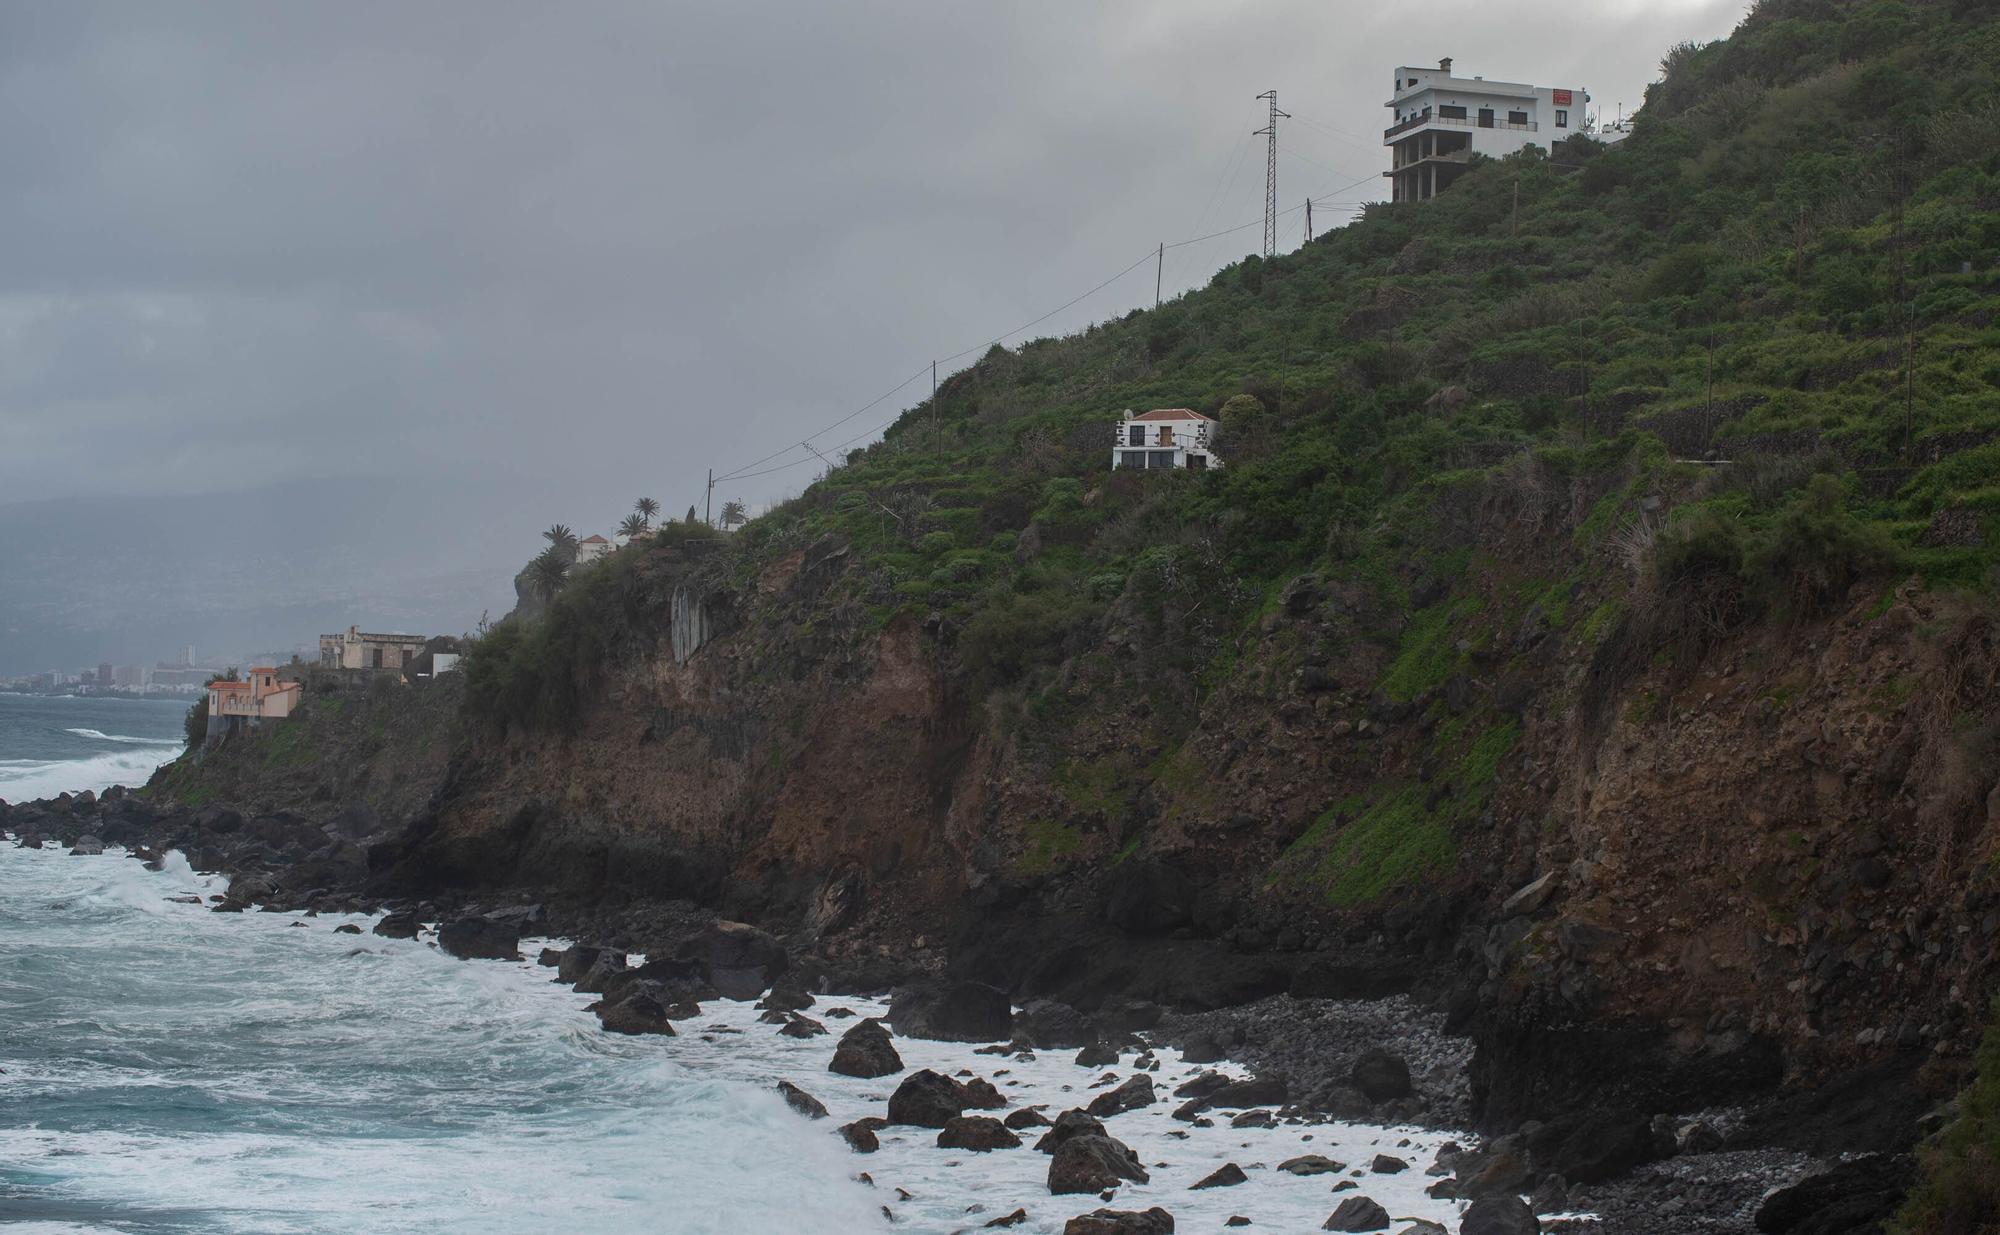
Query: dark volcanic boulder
[
  {"x": 1500, "y": 1215},
  {"x": 1048, "y": 1025},
  {"x": 1069, "y": 1125},
  {"x": 1233, "y": 1095},
  {"x": 1096, "y": 1055},
  {"x": 1386, "y": 1165},
  {"x": 981, "y": 1095},
  {"x": 802, "y": 1027},
  {"x": 90, "y": 847},
  {"x": 1026, "y": 1117},
  {"x": 1154, "y": 1221},
  {"x": 866, "y": 1051},
  {"x": 401, "y": 924},
  {"x": 860, "y": 1135},
  {"x": 1852, "y": 1197},
  {"x": 980, "y": 1133},
  {"x": 599, "y": 974},
  {"x": 956, "y": 1012},
  {"x": 742, "y": 962},
  {"x": 1092, "y": 1164},
  {"x": 576, "y": 962},
  {"x": 1130, "y": 1096},
  {"x": 1592, "y": 1147},
  {"x": 480, "y": 939},
  {"x": 1311, "y": 1164},
  {"x": 638, "y": 1014},
  {"x": 926, "y": 1099},
  {"x": 663, "y": 978},
  {"x": 1357, "y": 1213},
  {"x": 801, "y": 1101},
  {"x": 1381, "y": 1077},
  {"x": 1228, "y": 1175}
]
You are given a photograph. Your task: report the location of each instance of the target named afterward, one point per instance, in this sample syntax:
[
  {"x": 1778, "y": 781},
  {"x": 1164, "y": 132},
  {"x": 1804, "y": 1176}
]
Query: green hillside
[{"x": 1736, "y": 370}]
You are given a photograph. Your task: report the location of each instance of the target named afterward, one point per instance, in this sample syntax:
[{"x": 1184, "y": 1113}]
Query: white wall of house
[
  {"x": 1161, "y": 439},
  {"x": 1438, "y": 119}
]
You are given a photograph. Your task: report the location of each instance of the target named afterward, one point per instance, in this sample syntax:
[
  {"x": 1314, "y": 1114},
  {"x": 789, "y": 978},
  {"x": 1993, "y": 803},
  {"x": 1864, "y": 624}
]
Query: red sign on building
[{"x": 1562, "y": 97}]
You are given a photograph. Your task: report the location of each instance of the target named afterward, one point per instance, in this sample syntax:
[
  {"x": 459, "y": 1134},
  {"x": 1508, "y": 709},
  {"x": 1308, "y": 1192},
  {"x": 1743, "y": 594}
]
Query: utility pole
[
  {"x": 1159, "y": 273},
  {"x": 708, "y": 503},
  {"x": 1270, "y": 131},
  {"x": 937, "y": 430},
  {"x": 1309, "y": 220}
]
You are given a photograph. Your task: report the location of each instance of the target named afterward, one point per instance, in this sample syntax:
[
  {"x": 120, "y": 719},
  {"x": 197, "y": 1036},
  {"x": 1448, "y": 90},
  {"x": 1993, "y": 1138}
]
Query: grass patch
[
  {"x": 1428, "y": 652},
  {"x": 1049, "y": 845}
]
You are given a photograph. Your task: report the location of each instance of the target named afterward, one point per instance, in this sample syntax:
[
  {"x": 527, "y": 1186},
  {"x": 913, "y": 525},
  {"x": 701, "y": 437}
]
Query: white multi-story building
[
  {"x": 1165, "y": 437},
  {"x": 1441, "y": 121}
]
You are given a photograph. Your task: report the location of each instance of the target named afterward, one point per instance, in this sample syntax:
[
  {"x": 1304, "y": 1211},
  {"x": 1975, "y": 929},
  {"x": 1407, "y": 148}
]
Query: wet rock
[
  {"x": 1049, "y": 1025},
  {"x": 1071, "y": 1123},
  {"x": 1005, "y": 1220},
  {"x": 480, "y": 939},
  {"x": 599, "y": 975},
  {"x": 549, "y": 958},
  {"x": 953, "y": 1012},
  {"x": 1092, "y": 1163},
  {"x": 866, "y": 1051},
  {"x": 638, "y": 1014},
  {"x": 663, "y": 978},
  {"x": 1258, "y": 1091},
  {"x": 1130, "y": 1096},
  {"x": 860, "y": 1135},
  {"x": 1096, "y": 1055},
  {"x": 1530, "y": 897},
  {"x": 802, "y": 1027},
  {"x": 1259, "y": 1118},
  {"x": 1592, "y": 1147},
  {"x": 1026, "y": 1117},
  {"x": 1201, "y": 1086},
  {"x": 801, "y": 1101},
  {"x": 1384, "y": 1164},
  {"x": 1228, "y": 1175},
  {"x": 1854, "y": 1196},
  {"x": 1499, "y": 1215},
  {"x": 979, "y": 1133},
  {"x": 926, "y": 1099},
  {"x": 741, "y": 961},
  {"x": 576, "y": 962},
  {"x": 1311, "y": 1164},
  {"x": 1357, "y": 1213},
  {"x": 402, "y": 924},
  {"x": 86, "y": 847},
  {"x": 980, "y": 1094},
  {"x": 1381, "y": 1076},
  {"x": 786, "y": 999},
  {"x": 1154, "y": 1221},
  {"x": 345, "y": 928}
]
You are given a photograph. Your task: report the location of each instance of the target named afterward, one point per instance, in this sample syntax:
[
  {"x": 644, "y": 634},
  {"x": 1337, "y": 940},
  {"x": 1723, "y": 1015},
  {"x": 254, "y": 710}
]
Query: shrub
[
  {"x": 195, "y": 726},
  {"x": 1816, "y": 549},
  {"x": 1960, "y": 1190}
]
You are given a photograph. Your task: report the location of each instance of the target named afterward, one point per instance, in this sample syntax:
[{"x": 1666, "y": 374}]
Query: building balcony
[
  {"x": 1456, "y": 122},
  {"x": 1449, "y": 156}
]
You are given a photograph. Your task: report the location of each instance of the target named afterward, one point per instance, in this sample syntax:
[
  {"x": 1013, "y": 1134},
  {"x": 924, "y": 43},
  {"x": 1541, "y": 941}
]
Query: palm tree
[
  {"x": 646, "y": 508},
  {"x": 561, "y": 538},
  {"x": 633, "y": 527},
  {"x": 733, "y": 514},
  {"x": 548, "y": 572}
]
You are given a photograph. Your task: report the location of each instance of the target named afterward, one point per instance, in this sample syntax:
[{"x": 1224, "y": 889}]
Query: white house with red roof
[
  {"x": 590, "y": 548},
  {"x": 1165, "y": 437}
]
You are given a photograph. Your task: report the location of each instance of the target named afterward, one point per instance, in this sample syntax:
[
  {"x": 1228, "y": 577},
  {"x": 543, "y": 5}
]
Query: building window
[
  {"x": 1451, "y": 112},
  {"x": 1160, "y": 458},
  {"x": 1562, "y": 118},
  {"x": 1137, "y": 436},
  {"x": 1197, "y": 463},
  {"x": 1131, "y": 458},
  {"x": 1517, "y": 117},
  {"x": 1485, "y": 117}
]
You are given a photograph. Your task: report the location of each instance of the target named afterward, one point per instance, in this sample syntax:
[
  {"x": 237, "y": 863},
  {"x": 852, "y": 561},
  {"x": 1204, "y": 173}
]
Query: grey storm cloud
[{"x": 556, "y": 254}]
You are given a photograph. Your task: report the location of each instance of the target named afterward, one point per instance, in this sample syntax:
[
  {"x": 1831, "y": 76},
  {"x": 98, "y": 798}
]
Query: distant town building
[
  {"x": 1165, "y": 437},
  {"x": 260, "y": 697},
  {"x": 590, "y": 548},
  {"x": 359, "y": 649},
  {"x": 1441, "y": 121}
]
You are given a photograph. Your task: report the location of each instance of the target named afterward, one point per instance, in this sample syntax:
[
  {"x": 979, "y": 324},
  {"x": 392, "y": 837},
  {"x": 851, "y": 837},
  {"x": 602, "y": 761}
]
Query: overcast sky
[{"x": 573, "y": 253}]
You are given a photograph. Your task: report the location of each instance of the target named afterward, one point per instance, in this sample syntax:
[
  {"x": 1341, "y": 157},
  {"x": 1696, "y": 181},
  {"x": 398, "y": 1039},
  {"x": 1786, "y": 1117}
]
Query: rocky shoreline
[{"x": 1279, "y": 1063}]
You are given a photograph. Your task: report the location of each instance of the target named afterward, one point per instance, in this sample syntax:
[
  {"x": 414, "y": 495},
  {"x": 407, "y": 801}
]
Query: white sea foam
[
  {"x": 101, "y": 736},
  {"x": 23, "y": 780},
  {"x": 272, "y": 1077}
]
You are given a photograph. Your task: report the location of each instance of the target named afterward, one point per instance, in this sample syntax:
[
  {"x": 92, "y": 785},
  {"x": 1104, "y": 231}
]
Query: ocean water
[
  {"x": 52, "y": 744},
  {"x": 168, "y": 1069}
]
